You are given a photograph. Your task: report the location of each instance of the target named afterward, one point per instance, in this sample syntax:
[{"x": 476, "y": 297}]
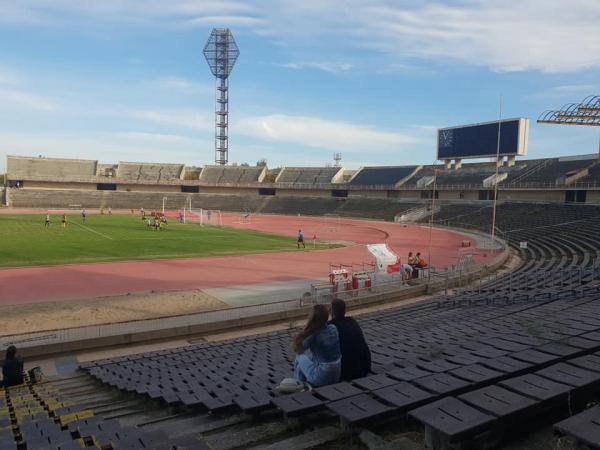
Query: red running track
[{"x": 77, "y": 281}]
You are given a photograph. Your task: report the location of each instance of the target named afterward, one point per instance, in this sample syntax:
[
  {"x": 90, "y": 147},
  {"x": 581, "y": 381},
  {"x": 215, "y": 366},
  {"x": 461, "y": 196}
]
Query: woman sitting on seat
[
  {"x": 323, "y": 366},
  {"x": 12, "y": 368}
]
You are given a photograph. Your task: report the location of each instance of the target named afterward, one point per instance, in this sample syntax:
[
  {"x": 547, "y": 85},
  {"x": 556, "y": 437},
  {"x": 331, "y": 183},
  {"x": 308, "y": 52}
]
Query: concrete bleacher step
[
  {"x": 404, "y": 396},
  {"x": 307, "y": 440},
  {"x": 337, "y": 391},
  {"x": 449, "y": 421},
  {"x": 298, "y": 404},
  {"x": 584, "y": 427},
  {"x": 359, "y": 409},
  {"x": 502, "y": 403}
]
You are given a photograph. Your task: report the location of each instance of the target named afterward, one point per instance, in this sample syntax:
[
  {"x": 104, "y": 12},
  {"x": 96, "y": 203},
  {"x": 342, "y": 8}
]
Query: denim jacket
[{"x": 324, "y": 345}]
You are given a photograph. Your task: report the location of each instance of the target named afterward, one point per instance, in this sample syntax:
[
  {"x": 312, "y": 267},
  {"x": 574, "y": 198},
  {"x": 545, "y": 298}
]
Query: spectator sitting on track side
[
  {"x": 411, "y": 259},
  {"x": 421, "y": 263},
  {"x": 12, "y": 368},
  {"x": 356, "y": 356},
  {"x": 324, "y": 365}
]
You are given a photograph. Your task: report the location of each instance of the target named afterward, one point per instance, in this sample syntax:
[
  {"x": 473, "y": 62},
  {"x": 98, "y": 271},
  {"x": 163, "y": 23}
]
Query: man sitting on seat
[
  {"x": 12, "y": 368},
  {"x": 420, "y": 263},
  {"x": 356, "y": 356}
]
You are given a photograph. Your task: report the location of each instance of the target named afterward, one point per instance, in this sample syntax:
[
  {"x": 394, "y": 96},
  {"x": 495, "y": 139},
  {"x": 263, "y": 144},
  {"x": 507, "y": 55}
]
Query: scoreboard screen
[{"x": 480, "y": 140}]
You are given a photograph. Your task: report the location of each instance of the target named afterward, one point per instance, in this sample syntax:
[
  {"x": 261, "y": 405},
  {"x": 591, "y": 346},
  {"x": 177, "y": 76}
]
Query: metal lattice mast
[{"x": 221, "y": 52}]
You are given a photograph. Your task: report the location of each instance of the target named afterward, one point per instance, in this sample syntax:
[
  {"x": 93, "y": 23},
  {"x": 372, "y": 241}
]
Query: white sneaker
[{"x": 292, "y": 386}]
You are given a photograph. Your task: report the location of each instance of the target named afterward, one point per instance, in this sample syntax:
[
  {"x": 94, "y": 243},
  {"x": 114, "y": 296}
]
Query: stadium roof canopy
[{"x": 585, "y": 113}]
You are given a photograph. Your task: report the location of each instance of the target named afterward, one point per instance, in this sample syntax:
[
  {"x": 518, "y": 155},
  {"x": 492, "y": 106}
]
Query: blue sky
[{"x": 125, "y": 80}]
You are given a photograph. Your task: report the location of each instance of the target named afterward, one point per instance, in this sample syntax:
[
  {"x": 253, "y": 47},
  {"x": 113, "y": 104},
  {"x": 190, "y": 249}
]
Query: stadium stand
[
  {"x": 592, "y": 177},
  {"x": 231, "y": 174},
  {"x": 463, "y": 177},
  {"x": 472, "y": 175},
  {"x": 300, "y": 205},
  {"x": 310, "y": 175},
  {"x": 149, "y": 172},
  {"x": 45, "y": 198},
  {"x": 382, "y": 176},
  {"x": 551, "y": 172},
  {"x": 485, "y": 363},
  {"x": 371, "y": 208},
  {"x": 271, "y": 175},
  {"x": 58, "y": 415},
  {"x": 25, "y": 168}
]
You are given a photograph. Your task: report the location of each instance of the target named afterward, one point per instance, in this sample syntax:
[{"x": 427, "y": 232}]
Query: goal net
[{"x": 207, "y": 217}]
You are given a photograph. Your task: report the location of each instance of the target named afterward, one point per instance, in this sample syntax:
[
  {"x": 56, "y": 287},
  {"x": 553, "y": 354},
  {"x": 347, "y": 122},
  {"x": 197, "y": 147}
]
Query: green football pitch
[{"x": 24, "y": 241}]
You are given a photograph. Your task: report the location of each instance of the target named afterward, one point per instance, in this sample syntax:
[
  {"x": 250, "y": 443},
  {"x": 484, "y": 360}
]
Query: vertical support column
[{"x": 222, "y": 121}]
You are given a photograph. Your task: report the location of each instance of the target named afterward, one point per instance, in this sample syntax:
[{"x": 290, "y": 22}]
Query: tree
[{"x": 261, "y": 163}]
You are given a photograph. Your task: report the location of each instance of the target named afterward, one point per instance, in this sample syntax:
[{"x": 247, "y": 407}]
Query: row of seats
[
  {"x": 230, "y": 174},
  {"x": 385, "y": 209},
  {"x": 309, "y": 175},
  {"x": 56, "y": 414},
  {"x": 149, "y": 172},
  {"x": 45, "y": 198},
  {"x": 552, "y": 172},
  {"x": 19, "y": 168},
  {"x": 387, "y": 176}
]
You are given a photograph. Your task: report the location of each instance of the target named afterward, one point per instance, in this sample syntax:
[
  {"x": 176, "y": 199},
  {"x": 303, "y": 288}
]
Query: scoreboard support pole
[{"x": 497, "y": 170}]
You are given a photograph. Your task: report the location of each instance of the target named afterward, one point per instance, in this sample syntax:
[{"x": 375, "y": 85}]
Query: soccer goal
[{"x": 207, "y": 217}]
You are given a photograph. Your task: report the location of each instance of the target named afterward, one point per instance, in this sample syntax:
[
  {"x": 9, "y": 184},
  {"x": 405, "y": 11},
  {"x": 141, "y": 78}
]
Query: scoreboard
[{"x": 480, "y": 140}]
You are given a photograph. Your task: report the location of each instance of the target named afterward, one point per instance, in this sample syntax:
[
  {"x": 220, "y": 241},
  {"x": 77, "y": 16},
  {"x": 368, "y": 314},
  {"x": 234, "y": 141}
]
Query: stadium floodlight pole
[
  {"x": 497, "y": 170},
  {"x": 221, "y": 52}
]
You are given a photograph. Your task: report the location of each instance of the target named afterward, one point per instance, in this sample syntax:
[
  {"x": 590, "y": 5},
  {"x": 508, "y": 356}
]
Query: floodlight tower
[{"x": 221, "y": 52}]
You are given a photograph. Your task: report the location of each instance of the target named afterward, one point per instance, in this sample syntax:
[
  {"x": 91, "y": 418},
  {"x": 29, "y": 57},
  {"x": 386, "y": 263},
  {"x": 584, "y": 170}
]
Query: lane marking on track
[{"x": 93, "y": 231}]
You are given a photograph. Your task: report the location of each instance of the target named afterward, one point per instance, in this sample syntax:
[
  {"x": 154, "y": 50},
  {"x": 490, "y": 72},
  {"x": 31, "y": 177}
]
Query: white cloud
[
  {"x": 15, "y": 98},
  {"x": 566, "y": 93},
  {"x": 8, "y": 77},
  {"x": 153, "y": 137},
  {"x": 324, "y": 66},
  {"x": 173, "y": 83},
  {"x": 179, "y": 118},
  {"x": 242, "y": 21},
  {"x": 111, "y": 148},
  {"x": 512, "y": 35},
  {"x": 322, "y": 133}
]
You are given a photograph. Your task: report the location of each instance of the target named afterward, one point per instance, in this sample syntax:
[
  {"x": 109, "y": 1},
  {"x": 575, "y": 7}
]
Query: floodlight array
[
  {"x": 221, "y": 53},
  {"x": 585, "y": 113}
]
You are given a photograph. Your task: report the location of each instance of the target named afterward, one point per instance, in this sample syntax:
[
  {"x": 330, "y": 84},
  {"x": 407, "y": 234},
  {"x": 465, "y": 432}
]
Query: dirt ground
[{"x": 47, "y": 316}]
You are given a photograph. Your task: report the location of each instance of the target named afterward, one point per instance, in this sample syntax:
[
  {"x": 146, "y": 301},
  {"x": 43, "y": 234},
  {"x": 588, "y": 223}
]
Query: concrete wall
[
  {"x": 228, "y": 191},
  {"x": 57, "y": 185},
  {"x": 555, "y": 196},
  {"x": 148, "y": 188},
  {"x": 20, "y": 168},
  {"x": 368, "y": 194},
  {"x": 303, "y": 193},
  {"x": 593, "y": 197},
  {"x": 46, "y": 198}
]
